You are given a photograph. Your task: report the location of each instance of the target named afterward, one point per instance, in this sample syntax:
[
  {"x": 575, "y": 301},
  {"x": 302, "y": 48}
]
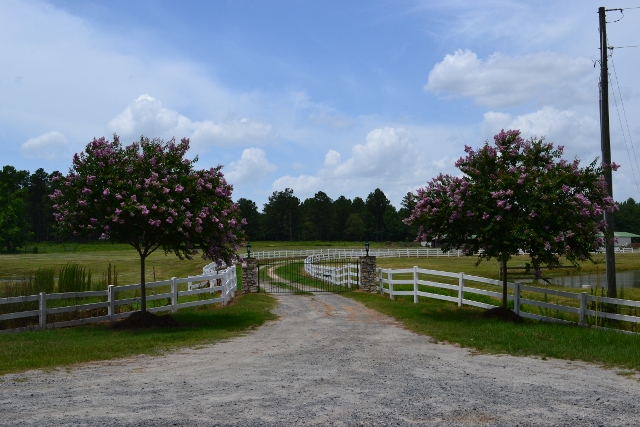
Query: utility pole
[{"x": 605, "y": 142}]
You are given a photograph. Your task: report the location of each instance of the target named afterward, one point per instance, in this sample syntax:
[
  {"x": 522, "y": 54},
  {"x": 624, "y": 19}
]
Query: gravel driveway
[{"x": 327, "y": 361}]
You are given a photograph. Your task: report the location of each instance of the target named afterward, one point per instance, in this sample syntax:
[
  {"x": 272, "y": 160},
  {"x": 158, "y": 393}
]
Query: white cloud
[
  {"x": 147, "y": 116},
  {"x": 391, "y": 159},
  {"x": 50, "y": 146},
  {"x": 579, "y": 134},
  {"x": 329, "y": 120},
  {"x": 332, "y": 158},
  {"x": 252, "y": 167},
  {"x": 502, "y": 80}
]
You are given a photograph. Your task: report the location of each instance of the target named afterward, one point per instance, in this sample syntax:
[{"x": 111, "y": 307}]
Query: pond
[{"x": 624, "y": 279}]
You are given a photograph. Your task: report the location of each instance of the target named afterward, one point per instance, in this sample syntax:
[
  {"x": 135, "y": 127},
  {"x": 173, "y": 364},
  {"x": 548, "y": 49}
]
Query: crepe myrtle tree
[
  {"x": 517, "y": 195},
  {"x": 149, "y": 195}
]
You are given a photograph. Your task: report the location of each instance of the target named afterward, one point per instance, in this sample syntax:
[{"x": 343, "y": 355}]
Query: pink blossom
[
  {"x": 106, "y": 192},
  {"x": 179, "y": 188}
]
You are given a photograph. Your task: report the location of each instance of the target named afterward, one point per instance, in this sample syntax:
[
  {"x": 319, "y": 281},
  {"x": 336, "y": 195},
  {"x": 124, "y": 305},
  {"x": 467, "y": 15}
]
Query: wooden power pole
[{"x": 605, "y": 142}]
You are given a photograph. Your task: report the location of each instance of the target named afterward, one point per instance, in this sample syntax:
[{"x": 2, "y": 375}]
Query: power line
[{"x": 635, "y": 157}]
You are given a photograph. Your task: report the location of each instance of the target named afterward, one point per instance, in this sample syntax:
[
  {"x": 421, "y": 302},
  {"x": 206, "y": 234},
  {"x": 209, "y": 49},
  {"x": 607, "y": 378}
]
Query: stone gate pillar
[
  {"x": 249, "y": 276},
  {"x": 368, "y": 277}
]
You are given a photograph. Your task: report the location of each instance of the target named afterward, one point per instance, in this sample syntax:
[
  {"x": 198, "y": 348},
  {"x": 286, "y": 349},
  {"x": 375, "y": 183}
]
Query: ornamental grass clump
[{"x": 517, "y": 195}]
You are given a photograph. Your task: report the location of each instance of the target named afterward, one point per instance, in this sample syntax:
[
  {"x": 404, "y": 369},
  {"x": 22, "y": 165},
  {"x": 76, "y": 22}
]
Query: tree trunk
[
  {"x": 504, "y": 283},
  {"x": 143, "y": 289}
]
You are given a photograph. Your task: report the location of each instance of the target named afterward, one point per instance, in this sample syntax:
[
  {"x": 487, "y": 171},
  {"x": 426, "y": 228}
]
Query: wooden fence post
[
  {"x": 111, "y": 299},
  {"x": 390, "y": 279},
  {"x": 516, "y": 298},
  {"x": 174, "y": 294},
  {"x": 460, "y": 289},
  {"x": 43, "y": 310},
  {"x": 583, "y": 308},
  {"x": 380, "y": 284},
  {"x": 415, "y": 284}
]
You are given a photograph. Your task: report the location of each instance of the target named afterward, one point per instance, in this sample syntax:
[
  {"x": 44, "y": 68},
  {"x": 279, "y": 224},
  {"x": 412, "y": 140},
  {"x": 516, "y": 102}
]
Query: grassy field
[
  {"x": 97, "y": 258},
  {"x": 61, "y": 347},
  {"x": 445, "y": 322}
]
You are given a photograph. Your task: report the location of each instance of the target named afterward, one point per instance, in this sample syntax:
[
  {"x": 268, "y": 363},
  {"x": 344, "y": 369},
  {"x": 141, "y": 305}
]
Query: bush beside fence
[{"x": 223, "y": 281}]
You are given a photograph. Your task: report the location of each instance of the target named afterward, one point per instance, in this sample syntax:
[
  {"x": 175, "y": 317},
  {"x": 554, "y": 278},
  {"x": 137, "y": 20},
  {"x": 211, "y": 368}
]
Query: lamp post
[
  {"x": 366, "y": 246},
  {"x": 248, "y": 250}
]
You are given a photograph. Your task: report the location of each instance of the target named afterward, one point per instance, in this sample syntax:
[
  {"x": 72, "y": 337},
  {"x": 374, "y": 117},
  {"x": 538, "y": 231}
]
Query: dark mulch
[
  {"x": 138, "y": 320},
  {"x": 502, "y": 314}
]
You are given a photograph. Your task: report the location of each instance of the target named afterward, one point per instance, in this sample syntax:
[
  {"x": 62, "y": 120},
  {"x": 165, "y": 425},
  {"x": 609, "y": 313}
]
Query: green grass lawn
[
  {"x": 61, "y": 347},
  {"x": 445, "y": 322},
  {"x": 124, "y": 258}
]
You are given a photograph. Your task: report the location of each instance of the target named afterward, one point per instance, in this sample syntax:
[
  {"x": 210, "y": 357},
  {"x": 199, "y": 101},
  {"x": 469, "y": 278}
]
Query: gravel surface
[{"x": 327, "y": 361}]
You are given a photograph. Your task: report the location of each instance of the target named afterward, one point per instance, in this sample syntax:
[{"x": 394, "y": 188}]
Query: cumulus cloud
[
  {"x": 502, "y": 81},
  {"x": 252, "y": 166},
  {"x": 390, "y": 158},
  {"x": 147, "y": 116},
  {"x": 579, "y": 133},
  {"x": 50, "y": 146}
]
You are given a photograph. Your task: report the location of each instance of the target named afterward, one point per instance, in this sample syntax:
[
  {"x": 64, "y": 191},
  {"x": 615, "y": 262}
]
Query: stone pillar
[
  {"x": 368, "y": 277},
  {"x": 249, "y": 276}
]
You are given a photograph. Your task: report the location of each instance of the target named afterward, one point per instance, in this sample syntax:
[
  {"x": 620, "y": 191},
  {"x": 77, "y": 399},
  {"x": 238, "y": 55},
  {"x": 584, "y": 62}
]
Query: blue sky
[{"x": 342, "y": 97}]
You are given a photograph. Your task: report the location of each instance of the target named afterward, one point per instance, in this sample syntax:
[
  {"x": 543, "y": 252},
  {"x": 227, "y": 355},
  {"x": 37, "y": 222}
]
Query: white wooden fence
[
  {"x": 223, "y": 281},
  {"x": 380, "y": 253},
  {"x": 345, "y": 275},
  {"x": 386, "y": 278}
]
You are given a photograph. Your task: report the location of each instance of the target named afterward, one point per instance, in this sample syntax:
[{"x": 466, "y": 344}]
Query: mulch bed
[
  {"x": 502, "y": 314},
  {"x": 138, "y": 320}
]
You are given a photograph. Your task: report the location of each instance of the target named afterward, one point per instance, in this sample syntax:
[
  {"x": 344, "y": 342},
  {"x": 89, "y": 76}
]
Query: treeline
[
  {"x": 287, "y": 218},
  {"x": 26, "y": 213}
]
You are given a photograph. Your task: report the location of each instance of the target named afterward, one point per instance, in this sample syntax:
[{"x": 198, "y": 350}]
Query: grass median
[
  {"x": 61, "y": 347},
  {"x": 445, "y": 322}
]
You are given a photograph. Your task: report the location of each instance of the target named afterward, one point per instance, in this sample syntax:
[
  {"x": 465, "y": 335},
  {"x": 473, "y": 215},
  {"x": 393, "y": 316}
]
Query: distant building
[{"x": 624, "y": 238}]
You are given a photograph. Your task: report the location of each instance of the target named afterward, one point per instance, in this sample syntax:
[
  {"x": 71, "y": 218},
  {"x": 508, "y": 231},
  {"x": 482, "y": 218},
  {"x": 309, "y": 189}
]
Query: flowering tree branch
[
  {"x": 517, "y": 195},
  {"x": 149, "y": 195}
]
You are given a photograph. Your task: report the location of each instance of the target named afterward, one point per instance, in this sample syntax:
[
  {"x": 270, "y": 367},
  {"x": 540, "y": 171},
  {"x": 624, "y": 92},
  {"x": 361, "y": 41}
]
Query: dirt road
[{"x": 327, "y": 361}]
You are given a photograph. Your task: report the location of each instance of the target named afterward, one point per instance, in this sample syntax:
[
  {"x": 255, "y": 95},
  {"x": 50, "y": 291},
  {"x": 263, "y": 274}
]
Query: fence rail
[
  {"x": 386, "y": 283},
  {"x": 345, "y": 275},
  {"x": 223, "y": 281},
  {"x": 380, "y": 253}
]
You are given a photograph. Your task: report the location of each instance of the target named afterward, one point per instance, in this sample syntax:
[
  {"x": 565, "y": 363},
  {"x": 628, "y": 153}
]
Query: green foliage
[
  {"x": 74, "y": 278},
  {"x": 150, "y": 196},
  {"x": 628, "y": 217},
  {"x": 282, "y": 215},
  {"x": 355, "y": 227},
  {"x": 518, "y": 195}
]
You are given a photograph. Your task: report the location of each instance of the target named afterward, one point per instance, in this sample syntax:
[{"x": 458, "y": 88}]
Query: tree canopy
[
  {"x": 516, "y": 195},
  {"x": 149, "y": 195}
]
